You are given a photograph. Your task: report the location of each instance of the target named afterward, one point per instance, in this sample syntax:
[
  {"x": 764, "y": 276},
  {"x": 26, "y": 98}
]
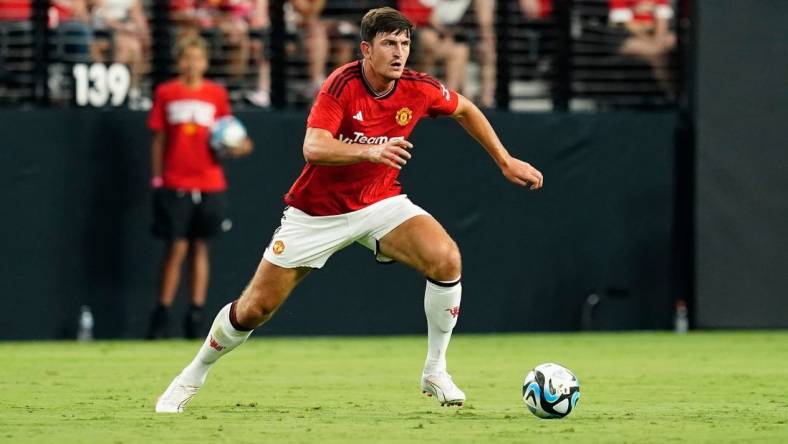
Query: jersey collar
[{"x": 375, "y": 95}]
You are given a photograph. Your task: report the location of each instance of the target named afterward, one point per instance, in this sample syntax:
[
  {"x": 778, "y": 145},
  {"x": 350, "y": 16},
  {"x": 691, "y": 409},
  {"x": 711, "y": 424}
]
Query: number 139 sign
[{"x": 97, "y": 84}]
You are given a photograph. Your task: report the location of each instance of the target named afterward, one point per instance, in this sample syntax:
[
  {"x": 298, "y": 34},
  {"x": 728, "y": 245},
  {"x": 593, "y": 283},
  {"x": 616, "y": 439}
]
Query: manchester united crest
[
  {"x": 403, "y": 116},
  {"x": 278, "y": 247}
]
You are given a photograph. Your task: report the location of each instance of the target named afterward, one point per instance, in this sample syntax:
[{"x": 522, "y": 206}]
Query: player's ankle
[
  {"x": 433, "y": 367},
  {"x": 195, "y": 373}
]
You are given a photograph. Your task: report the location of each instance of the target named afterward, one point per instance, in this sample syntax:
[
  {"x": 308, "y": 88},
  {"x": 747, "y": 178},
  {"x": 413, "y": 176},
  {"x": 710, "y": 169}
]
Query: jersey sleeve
[
  {"x": 326, "y": 113},
  {"x": 441, "y": 101},
  {"x": 157, "y": 120}
]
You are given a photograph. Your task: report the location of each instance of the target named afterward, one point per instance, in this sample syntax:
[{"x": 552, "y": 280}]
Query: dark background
[
  {"x": 742, "y": 164},
  {"x": 77, "y": 212}
]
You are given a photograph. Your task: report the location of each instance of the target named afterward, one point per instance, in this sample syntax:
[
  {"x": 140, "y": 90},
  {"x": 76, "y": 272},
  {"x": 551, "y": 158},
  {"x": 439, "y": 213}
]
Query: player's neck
[
  {"x": 192, "y": 82},
  {"x": 377, "y": 83}
]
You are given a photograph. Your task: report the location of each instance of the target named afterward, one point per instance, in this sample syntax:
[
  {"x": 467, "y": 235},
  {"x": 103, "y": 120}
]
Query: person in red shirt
[
  {"x": 438, "y": 42},
  {"x": 355, "y": 146},
  {"x": 189, "y": 197},
  {"x": 649, "y": 38}
]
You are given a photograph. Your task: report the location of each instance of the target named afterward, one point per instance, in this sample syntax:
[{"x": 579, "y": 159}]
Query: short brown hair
[
  {"x": 384, "y": 20},
  {"x": 191, "y": 42}
]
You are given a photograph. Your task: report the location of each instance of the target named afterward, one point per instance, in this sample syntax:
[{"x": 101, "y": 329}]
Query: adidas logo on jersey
[{"x": 359, "y": 117}]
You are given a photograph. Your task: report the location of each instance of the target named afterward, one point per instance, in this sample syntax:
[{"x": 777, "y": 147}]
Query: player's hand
[
  {"x": 244, "y": 149},
  {"x": 522, "y": 173},
  {"x": 393, "y": 153}
]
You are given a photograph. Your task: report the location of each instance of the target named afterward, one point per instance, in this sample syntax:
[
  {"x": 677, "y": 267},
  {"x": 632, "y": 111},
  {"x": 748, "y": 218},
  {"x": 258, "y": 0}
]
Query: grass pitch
[{"x": 641, "y": 387}]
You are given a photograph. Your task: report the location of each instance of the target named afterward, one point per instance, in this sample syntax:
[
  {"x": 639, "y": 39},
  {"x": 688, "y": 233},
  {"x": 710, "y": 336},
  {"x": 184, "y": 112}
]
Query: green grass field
[{"x": 641, "y": 387}]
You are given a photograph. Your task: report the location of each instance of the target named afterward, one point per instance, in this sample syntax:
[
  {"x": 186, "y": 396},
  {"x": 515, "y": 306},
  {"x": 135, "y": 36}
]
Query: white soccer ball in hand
[
  {"x": 551, "y": 391},
  {"x": 227, "y": 132}
]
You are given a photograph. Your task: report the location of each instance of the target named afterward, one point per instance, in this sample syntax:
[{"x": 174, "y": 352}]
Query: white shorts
[{"x": 308, "y": 241}]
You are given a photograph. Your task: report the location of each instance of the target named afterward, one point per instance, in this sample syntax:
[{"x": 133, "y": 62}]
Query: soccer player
[
  {"x": 188, "y": 180},
  {"x": 355, "y": 146}
]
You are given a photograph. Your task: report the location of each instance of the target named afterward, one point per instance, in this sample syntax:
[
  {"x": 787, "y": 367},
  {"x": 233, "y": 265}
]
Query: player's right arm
[
  {"x": 157, "y": 157},
  {"x": 321, "y": 148},
  {"x": 157, "y": 122}
]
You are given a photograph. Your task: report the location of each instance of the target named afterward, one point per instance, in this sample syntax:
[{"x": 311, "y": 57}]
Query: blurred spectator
[
  {"x": 127, "y": 27},
  {"x": 237, "y": 21},
  {"x": 537, "y": 9},
  {"x": 191, "y": 16},
  {"x": 73, "y": 36},
  {"x": 231, "y": 19},
  {"x": 436, "y": 39},
  {"x": 315, "y": 40},
  {"x": 15, "y": 10},
  {"x": 649, "y": 37},
  {"x": 341, "y": 18},
  {"x": 259, "y": 25},
  {"x": 485, "y": 17},
  {"x": 330, "y": 29}
]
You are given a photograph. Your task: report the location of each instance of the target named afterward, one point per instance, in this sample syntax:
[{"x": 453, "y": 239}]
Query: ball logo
[
  {"x": 278, "y": 247},
  {"x": 189, "y": 129},
  {"x": 403, "y": 116}
]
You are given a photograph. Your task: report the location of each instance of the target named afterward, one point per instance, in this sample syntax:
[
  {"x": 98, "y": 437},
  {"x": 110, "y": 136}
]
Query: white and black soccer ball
[
  {"x": 551, "y": 391},
  {"x": 227, "y": 132}
]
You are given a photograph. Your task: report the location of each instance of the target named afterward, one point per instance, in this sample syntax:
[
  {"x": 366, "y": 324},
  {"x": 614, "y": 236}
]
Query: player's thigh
[
  {"x": 269, "y": 288},
  {"x": 307, "y": 241},
  {"x": 423, "y": 244}
]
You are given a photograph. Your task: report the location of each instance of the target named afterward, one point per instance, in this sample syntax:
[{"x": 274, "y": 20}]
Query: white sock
[
  {"x": 222, "y": 339},
  {"x": 442, "y": 307}
]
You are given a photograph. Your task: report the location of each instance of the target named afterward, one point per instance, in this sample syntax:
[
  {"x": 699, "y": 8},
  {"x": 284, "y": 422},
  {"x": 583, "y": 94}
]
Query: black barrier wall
[
  {"x": 75, "y": 222},
  {"x": 742, "y": 164}
]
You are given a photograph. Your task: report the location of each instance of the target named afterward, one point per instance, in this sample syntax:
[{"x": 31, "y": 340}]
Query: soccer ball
[
  {"x": 550, "y": 391},
  {"x": 227, "y": 132}
]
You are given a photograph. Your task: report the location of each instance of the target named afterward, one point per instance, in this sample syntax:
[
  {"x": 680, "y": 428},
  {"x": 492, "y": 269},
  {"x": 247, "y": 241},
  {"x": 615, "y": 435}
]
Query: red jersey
[
  {"x": 646, "y": 11},
  {"x": 186, "y": 116},
  {"x": 351, "y": 111}
]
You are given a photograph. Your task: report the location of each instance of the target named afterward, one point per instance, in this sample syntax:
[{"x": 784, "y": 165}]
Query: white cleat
[
  {"x": 175, "y": 397},
  {"x": 443, "y": 388}
]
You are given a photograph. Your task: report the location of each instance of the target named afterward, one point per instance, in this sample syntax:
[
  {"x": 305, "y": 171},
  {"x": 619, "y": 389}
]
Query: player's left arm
[{"x": 476, "y": 124}]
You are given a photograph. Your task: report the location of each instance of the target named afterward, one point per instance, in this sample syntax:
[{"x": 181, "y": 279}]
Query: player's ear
[{"x": 365, "y": 47}]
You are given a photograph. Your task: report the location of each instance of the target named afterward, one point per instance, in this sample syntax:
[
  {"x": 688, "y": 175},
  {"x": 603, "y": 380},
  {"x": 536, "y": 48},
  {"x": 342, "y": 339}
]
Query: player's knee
[
  {"x": 262, "y": 311},
  {"x": 177, "y": 250},
  {"x": 255, "y": 308},
  {"x": 448, "y": 265},
  {"x": 257, "y": 313}
]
